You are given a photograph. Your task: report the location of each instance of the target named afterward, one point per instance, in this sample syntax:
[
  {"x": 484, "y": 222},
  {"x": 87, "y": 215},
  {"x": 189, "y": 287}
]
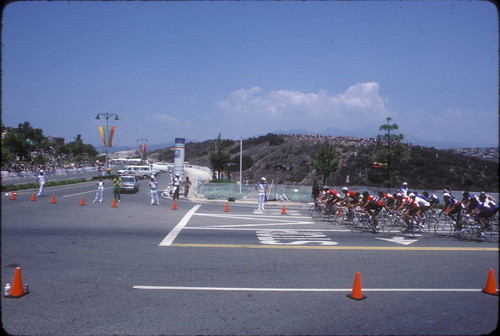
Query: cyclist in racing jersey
[
  {"x": 353, "y": 195},
  {"x": 417, "y": 207},
  {"x": 433, "y": 200},
  {"x": 453, "y": 207},
  {"x": 372, "y": 206},
  {"x": 401, "y": 202},
  {"x": 329, "y": 196},
  {"x": 488, "y": 198},
  {"x": 483, "y": 211},
  {"x": 469, "y": 201},
  {"x": 387, "y": 199}
]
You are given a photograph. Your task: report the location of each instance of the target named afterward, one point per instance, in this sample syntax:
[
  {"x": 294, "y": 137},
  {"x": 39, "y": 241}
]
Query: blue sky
[{"x": 243, "y": 69}]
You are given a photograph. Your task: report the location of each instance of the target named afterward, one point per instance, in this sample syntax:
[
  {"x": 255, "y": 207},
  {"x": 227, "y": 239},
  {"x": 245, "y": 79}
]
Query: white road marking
[
  {"x": 246, "y": 289},
  {"x": 169, "y": 239},
  {"x": 399, "y": 240},
  {"x": 84, "y": 192}
]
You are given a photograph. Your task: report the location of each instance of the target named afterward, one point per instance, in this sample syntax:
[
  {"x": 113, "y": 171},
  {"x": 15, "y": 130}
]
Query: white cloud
[{"x": 358, "y": 106}]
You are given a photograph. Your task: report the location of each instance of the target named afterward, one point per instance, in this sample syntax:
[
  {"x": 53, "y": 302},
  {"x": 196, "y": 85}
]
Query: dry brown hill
[{"x": 428, "y": 168}]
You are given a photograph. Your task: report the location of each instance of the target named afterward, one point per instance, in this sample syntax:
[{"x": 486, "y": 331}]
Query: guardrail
[{"x": 295, "y": 193}]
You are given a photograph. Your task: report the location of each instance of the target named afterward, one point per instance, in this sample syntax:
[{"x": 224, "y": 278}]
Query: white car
[{"x": 130, "y": 183}]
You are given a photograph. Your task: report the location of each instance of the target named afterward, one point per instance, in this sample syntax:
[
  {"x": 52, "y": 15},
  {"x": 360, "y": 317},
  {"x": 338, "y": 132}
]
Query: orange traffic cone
[
  {"x": 33, "y": 198},
  {"x": 283, "y": 210},
  {"x": 490, "y": 284},
  {"x": 113, "y": 204},
  {"x": 17, "y": 290},
  {"x": 174, "y": 206},
  {"x": 356, "y": 289},
  {"x": 53, "y": 200},
  {"x": 12, "y": 196},
  {"x": 226, "y": 209},
  {"x": 82, "y": 202}
]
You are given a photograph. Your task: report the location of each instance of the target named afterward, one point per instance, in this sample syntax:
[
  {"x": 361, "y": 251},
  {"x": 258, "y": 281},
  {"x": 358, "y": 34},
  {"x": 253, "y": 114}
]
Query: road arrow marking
[{"x": 399, "y": 240}]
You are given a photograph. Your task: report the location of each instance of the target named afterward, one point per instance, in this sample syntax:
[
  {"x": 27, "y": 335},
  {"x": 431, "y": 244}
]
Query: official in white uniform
[
  {"x": 261, "y": 188},
  {"x": 100, "y": 191},
  {"x": 153, "y": 187},
  {"x": 41, "y": 179}
]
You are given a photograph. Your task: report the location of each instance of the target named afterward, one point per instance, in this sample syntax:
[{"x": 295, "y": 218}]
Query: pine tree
[
  {"x": 325, "y": 160},
  {"x": 391, "y": 151}
]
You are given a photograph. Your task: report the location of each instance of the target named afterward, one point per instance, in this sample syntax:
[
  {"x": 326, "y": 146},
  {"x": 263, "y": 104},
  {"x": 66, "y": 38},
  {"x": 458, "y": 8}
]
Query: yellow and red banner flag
[
  {"x": 107, "y": 135},
  {"x": 142, "y": 149}
]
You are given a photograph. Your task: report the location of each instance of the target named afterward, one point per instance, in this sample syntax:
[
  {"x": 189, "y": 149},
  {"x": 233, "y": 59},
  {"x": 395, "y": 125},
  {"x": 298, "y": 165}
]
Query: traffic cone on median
[
  {"x": 53, "y": 199},
  {"x": 226, "y": 209},
  {"x": 283, "y": 210},
  {"x": 174, "y": 206},
  {"x": 82, "y": 202},
  {"x": 17, "y": 289},
  {"x": 33, "y": 198},
  {"x": 356, "y": 289},
  {"x": 490, "y": 284},
  {"x": 12, "y": 196},
  {"x": 113, "y": 204}
]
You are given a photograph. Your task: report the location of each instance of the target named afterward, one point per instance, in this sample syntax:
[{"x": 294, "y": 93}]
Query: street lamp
[{"x": 107, "y": 116}]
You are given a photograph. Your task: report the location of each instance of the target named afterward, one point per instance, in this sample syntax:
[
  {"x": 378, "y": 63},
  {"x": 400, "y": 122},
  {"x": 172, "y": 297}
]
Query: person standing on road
[
  {"x": 187, "y": 185},
  {"x": 261, "y": 188},
  {"x": 41, "y": 179},
  {"x": 177, "y": 186},
  {"x": 100, "y": 190},
  {"x": 153, "y": 187},
  {"x": 117, "y": 183},
  {"x": 316, "y": 190}
]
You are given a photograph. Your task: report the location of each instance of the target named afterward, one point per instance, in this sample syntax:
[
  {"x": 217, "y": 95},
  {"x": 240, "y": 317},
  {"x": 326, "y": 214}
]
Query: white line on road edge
[
  {"x": 307, "y": 289},
  {"x": 83, "y": 193},
  {"x": 169, "y": 239}
]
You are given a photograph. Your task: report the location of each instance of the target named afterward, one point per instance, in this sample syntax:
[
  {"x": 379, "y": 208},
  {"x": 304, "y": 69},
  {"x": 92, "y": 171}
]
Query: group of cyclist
[{"x": 411, "y": 204}]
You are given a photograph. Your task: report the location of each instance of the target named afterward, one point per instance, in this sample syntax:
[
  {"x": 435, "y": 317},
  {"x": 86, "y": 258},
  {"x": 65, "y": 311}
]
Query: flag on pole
[
  {"x": 107, "y": 135},
  {"x": 142, "y": 149}
]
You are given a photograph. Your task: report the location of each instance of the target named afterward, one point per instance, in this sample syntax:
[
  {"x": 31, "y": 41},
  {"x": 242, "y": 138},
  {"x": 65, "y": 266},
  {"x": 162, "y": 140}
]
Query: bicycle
[
  {"x": 446, "y": 227},
  {"x": 471, "y": 229},
  {"x": 394, "y": 224},
  {"x": 320, "y": 211},
  {"x": 362, "y": 221}
]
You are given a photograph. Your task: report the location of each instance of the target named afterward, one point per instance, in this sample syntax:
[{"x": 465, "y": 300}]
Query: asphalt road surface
[{"x": 141, "y": 269}]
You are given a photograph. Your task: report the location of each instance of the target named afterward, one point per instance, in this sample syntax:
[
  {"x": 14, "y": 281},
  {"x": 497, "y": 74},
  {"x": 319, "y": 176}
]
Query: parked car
[
  {"x": 140, "y": 171},
  {"x": 130, "y": 183}
]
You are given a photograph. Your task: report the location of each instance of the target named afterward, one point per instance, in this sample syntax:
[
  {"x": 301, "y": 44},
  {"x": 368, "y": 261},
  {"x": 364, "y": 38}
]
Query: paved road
[{"x": 149, "y": 270}]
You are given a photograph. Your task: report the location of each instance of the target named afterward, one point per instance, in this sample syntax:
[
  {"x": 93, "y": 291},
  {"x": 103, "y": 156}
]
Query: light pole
[
  {"x": 241, "y": 162},
  {"x": 107, "y": 116}
]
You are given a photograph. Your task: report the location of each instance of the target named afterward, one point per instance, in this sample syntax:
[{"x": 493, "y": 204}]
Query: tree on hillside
[
  {"x": 219, "y": 155},
  {"x": 325, "y": 160},
  {"x": 391, "y": 151}
]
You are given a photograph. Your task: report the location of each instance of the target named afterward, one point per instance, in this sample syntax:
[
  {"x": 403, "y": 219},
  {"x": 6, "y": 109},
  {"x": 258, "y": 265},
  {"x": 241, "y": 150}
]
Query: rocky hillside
[{"x": 428, "y": 168}]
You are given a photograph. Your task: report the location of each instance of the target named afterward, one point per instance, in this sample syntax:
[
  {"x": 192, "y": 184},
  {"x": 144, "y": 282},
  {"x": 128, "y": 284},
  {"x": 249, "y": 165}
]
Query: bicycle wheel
[
  {"x": 428, "y": 225},
  {"x": 467, "y": 232},
  {"x": 392, "y": 226},
  {"x": 444, "y": 227},
  {"x": 348, "y": 217},
  {"x": 312, "y": 208},
  {"x": 335, "y": 215},
  {"x": 491, "y": 232},
  {"x": 358, "y": 223},
  {"x": 316, "y": 213}
]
